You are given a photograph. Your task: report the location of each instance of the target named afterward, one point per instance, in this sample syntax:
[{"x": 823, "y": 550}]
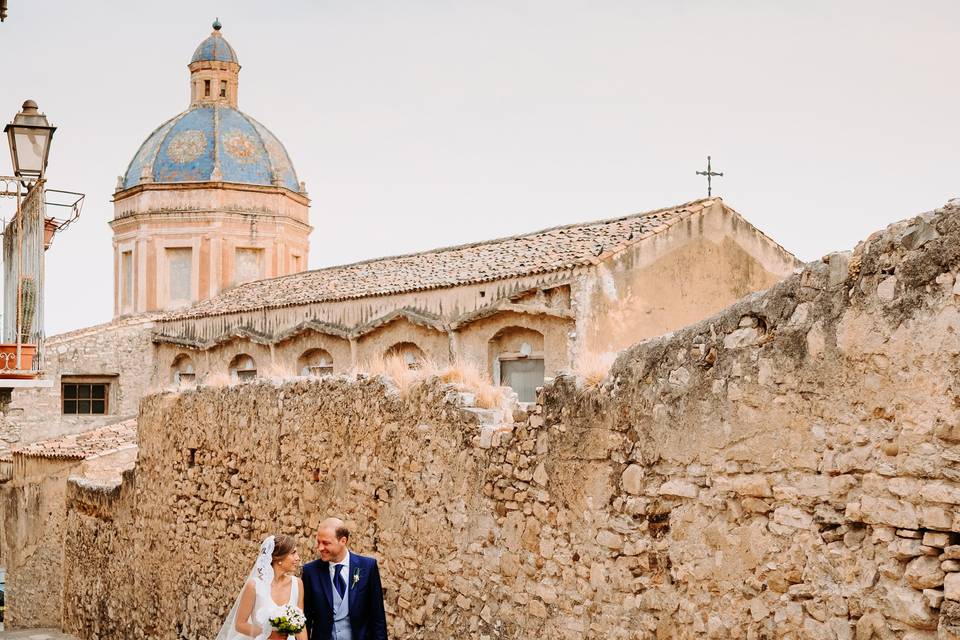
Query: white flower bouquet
[{"x": 288, "y": 619}]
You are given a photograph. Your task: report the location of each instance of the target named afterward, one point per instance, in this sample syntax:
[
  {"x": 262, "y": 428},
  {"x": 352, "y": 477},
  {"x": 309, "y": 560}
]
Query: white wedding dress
[{"x": 264, "y": 607}]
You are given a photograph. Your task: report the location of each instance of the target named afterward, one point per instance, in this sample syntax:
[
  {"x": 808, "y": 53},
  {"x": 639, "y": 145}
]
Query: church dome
[{"x": 212, "y": 141}]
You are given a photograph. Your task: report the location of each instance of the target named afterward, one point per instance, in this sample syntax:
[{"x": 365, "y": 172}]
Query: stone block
[
  {"x": 679, "y": 488},
  {"x": 895, "y": 513},
  {"x": 936, "y": 539},
  {"x": 887, "y": 288},
  {"x": 755, "y": 505},
  {"x": 743, "y": 337},
  {"x": 940, "y": 492},
  {"x": 537, "y": 609},
  {"x": 632, "y": 479},
  {"x": 486, "y": 437},
  {"x": 612, "y": 540},
  {"x": 951, "y": 566},
  {"x": 933, "y": 517},
  {"x": 951, "y": 586},
  {"x": 755, "y": 486},
  {"x": 904, "y": 548},
  {"x": 909, "y": 606},
  {"x": 934, "y": 597},
  {"x": 924, "y": 572},
  {"x": 540, "y": 475},
  {"x": 789, "y": 516}
]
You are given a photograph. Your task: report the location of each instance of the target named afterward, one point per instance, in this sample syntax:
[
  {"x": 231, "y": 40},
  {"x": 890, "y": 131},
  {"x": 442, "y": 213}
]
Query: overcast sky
[{"x": 424, "y": 124}]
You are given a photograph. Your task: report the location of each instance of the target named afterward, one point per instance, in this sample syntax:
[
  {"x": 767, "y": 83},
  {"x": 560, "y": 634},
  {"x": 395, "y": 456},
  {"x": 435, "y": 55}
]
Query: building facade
[{"x": 522, "y": 309}]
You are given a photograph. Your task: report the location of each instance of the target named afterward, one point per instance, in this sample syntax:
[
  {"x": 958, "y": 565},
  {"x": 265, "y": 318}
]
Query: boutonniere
[{"x": 356, "y": 578}]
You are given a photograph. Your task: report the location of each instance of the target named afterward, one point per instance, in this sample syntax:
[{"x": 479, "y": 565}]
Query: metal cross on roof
[{"x": 709, "y": 173}]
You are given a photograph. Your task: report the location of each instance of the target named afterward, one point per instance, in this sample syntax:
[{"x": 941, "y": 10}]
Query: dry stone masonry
[{"x": 789, "y": 468}]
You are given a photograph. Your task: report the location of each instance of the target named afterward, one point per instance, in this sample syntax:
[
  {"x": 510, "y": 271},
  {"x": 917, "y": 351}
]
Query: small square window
[{"x": 85, "y": 398}]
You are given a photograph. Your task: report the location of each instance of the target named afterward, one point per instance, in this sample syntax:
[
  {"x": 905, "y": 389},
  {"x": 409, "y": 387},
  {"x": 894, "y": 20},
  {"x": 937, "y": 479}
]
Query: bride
[{"x": 271, "y": 585}]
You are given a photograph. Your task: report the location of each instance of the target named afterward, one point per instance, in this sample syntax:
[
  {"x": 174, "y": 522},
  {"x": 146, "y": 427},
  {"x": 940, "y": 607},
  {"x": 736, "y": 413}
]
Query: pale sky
[{"x": 420, "y": 124}]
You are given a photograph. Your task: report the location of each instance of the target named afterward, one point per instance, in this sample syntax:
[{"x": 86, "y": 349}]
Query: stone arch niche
[
  {"x": 243, "y": 368},
  {"x": 315, "y": 363},
  {"x": 411, "y": 355},
  {"x": 516, "y": 358},
  {"x": 182, "y": 371}
]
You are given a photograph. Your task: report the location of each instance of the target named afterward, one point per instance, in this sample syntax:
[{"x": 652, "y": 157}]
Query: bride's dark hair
[{"x": 283, "y": 545}]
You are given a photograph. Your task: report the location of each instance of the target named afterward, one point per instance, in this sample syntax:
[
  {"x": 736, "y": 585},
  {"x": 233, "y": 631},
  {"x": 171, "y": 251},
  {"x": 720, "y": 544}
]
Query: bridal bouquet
[{"x": 288, "y": 619}]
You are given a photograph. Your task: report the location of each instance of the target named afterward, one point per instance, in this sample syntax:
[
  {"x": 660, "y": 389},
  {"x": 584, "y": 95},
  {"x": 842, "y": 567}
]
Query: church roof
[
  {"x": 544, "y": 251},
  {"x": 212, "y": 143}
]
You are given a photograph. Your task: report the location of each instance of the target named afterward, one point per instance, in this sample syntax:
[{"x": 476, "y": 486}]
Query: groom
[{"x": 343, "y": 599}]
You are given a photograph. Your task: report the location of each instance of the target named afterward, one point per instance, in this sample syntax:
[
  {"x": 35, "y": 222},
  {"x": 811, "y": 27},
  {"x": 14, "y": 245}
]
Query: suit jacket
[{"x": 368, "y": 621}]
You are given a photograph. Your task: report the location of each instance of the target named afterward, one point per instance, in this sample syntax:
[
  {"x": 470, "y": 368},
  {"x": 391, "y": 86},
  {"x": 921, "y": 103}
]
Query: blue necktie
[{"x": 338, "y": 581}]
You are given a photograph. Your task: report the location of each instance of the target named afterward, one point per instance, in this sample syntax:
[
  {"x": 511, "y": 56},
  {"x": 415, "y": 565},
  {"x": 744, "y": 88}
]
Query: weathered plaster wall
[
  {"x": 435, "y": 344},
  {"x": 289, "y": 352},
  {"x": 675, "y": 278},
  {"x": 785, "y": 469},
  {"x": 472, "y": 342},
  {"x": 475, "y": 340}
]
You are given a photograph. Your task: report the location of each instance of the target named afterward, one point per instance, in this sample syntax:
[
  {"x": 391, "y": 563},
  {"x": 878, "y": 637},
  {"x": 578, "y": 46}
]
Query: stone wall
[
  {"x": 789, "y": 468},
  {"x": 31, "y": 540},
  {"x": 33, "y": 510}
]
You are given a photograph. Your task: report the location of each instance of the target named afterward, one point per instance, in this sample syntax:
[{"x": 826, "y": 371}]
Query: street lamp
[{"x": 29, "y": 137}]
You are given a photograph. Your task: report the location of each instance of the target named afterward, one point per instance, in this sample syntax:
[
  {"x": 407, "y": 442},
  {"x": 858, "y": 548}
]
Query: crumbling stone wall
[
  {"x": 33, "y": 517},
  {"x": 33, "y": 510},
  {"x": 789, "y": 468}
]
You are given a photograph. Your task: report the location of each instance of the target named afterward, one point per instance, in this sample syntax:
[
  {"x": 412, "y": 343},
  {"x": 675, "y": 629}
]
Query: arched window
[
  {"x": 516, "y": 355},
  {"x": 316, "y": 363},
  {"x": 242, "y": 368},
  {"x": 181, "y": 372},
  {"x": 412, "y": 355}
]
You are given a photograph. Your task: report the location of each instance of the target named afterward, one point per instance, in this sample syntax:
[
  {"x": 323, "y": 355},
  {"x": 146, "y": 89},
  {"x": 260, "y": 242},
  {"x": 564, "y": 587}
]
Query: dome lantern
[{"x": 214, "y": 71}]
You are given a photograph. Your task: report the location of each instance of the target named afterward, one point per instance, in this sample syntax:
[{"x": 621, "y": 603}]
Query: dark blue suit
[{"x": 368, "y": 621}]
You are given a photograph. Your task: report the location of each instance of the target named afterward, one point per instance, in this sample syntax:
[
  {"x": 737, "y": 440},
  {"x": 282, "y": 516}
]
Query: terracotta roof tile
[
  {"x": 80, "y": 446},
  {"x": 538, "y": 252}
]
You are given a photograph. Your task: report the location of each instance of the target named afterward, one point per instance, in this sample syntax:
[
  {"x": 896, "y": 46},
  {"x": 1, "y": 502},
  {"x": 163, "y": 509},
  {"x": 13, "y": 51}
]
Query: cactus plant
[{"x": 28, "y": 307}]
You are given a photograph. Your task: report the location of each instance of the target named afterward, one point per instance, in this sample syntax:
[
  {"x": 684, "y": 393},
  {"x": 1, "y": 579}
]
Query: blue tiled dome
[
  {"x": 215, "y": 47},
  {"x": 212, "y": 143}
]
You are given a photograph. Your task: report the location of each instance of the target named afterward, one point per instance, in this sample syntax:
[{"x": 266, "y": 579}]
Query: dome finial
[{"x": 216, "y": 24}]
